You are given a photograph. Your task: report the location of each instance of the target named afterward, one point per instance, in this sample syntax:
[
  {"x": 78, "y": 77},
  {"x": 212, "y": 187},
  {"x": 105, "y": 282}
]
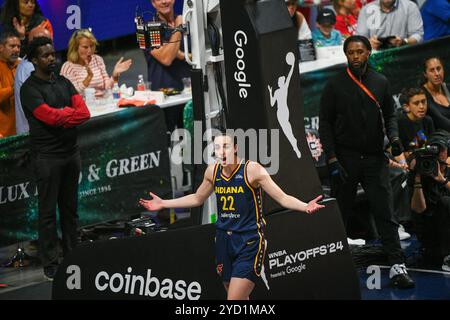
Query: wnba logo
[{"x": 280, "y": 98}]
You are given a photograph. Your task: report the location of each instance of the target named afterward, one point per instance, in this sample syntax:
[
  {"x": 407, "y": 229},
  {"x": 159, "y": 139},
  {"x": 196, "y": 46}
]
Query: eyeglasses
[{"x": 83, "y": 30}]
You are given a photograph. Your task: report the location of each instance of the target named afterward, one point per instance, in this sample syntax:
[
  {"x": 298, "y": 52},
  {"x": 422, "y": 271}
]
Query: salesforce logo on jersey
[{"x": 148, "y": 284}]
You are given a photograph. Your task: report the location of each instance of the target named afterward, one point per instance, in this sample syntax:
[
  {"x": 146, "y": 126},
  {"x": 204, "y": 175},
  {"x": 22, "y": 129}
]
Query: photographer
[
  {"x": 414, "y": 127},
  {"x": 430, "y": 200}
]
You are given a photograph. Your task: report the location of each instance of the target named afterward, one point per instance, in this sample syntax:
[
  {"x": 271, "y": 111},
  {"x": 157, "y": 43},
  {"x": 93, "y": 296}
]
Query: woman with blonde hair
[{"x": 85, "y": 69}]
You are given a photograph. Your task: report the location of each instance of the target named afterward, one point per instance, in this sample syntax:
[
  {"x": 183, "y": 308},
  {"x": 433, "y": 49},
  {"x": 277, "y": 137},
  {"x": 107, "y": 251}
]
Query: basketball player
[{"x": 240, "y": 242}]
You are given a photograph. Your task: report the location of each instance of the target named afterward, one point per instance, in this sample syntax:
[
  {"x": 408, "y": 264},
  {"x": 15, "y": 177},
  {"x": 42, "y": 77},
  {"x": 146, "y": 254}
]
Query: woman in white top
[
  {"x": 299, "y": 20},
  {"x": 85, "y": 69}
]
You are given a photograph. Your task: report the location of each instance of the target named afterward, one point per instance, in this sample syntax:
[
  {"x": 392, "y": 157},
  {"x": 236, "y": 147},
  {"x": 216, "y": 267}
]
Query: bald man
[{"x": 23, "y": 71}]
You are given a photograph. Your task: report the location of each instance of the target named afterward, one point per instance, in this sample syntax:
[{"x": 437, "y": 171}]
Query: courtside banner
[
  {"x": 307, "y": 258},
  {"x": 124, "y": 155},
  {"x": 263, "y": 91}
]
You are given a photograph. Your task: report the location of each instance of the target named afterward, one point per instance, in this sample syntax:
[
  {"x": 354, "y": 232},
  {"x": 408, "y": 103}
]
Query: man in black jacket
[{"x": 356, "y": 111}]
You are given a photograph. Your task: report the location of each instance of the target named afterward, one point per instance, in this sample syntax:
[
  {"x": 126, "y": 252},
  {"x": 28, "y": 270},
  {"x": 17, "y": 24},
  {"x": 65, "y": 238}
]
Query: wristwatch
[
  {"x": 444, "y": 183},
  {"x": 405, "y": 40}
]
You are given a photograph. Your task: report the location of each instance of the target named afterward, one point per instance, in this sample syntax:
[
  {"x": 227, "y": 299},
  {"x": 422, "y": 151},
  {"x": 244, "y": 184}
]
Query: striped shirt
[{"x": 76, "y": 73}]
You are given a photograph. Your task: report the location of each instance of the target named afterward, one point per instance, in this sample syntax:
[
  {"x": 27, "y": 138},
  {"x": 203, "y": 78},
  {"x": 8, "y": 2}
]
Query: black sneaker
[
  {"x": 400, "y": 278},
  {"x": 50, "y": 272},
  {"x": 446, "y": 264}
]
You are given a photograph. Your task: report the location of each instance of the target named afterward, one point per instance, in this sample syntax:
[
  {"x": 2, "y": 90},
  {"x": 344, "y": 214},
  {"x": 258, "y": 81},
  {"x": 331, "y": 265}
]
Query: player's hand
[
  {"x": 154, "y": 204},
  {"x": 313, "y": 206}
]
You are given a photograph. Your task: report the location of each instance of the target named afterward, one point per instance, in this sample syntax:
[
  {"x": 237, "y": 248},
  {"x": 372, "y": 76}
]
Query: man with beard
[
  {"x": 390, "y": 23},
  {"x": 24, "y": 70},
  {"x": 9, "y": 59},
  {"x": 356, "y": 111},
  {"x": 53, "y": 108}
]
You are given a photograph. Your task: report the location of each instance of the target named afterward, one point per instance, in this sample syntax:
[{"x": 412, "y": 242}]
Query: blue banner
[{"x": 108, "y": 19}]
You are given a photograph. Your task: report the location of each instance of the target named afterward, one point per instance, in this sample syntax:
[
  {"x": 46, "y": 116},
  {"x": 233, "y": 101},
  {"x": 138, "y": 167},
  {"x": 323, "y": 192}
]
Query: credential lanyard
[
  {"x": 370, "y": 94},
  {"x": 363, "y": 87}
]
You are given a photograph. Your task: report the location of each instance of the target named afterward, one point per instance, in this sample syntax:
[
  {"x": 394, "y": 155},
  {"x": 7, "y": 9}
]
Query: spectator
[
  {"x": 345, "y": 20},
  {"x": 23, "y": 71},
  {"x": 325, "y": 35},
  {"x": 357, "y": 8},
  {"x": 356, "y": 110},
  {"x": 299, "y": 20},
  {"x": 85, "y": 69},
  {"x": 414, "y": 128},
  {"x": 436, "y": 19},
  {"x": 390, "y": 23},
  {"x": 437, "y": 92},
  {"x": 166, "y": 64},
  {"x": 54, "y": 109},
  {"x": 414, "y": 125},
  {"x": 9, "y": 59},
  {"x": 431, "y": 204},
  {"x": 23, "y": 16}
]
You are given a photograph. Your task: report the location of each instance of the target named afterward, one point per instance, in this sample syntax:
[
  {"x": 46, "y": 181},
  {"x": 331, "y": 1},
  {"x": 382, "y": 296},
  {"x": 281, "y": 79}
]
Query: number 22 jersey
[{"x": 238, "y": 203}]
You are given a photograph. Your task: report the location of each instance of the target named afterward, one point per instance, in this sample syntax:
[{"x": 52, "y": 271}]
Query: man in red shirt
[{"x": 345, "y": 20}]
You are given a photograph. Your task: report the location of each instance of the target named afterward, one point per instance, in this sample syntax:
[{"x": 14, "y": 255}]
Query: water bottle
[
  {"x": 116, "y": 91},
  {"x": 141, "y": 83}
]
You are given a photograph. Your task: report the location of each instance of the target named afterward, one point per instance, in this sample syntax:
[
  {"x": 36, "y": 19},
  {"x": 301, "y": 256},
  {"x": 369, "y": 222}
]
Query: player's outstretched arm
[
  {"x": 259, "y": 176},
  {"x": 193, "y": 200}
]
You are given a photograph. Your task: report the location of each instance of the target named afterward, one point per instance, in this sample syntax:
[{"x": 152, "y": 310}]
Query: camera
[{"x": 427, "y": 160}]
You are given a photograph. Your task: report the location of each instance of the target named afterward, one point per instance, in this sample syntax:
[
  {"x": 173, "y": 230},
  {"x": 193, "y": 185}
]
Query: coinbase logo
[{"x": 134, "y": 284}]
